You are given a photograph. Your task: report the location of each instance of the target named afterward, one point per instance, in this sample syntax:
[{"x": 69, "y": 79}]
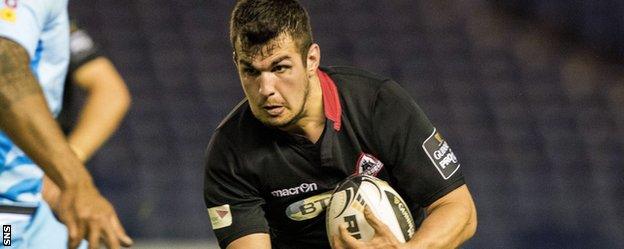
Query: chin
[{"x": 275, "y": 122}]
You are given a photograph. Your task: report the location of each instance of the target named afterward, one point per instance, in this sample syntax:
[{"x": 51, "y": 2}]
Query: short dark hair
[{"x": 256, "y": 22}]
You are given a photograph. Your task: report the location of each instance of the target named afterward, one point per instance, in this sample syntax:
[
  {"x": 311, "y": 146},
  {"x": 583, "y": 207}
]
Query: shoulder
[
  {"x": 239, "y": 128},
  {"x": 358, "y": 89},
  {"x": 351, "y": 78},
  {"x": 357, "y": 84},
  {"x": 235, "y": 118}
]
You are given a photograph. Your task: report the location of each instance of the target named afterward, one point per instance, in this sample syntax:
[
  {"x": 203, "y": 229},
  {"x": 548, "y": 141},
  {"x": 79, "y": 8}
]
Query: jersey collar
[{"x": 331, "y": 100}]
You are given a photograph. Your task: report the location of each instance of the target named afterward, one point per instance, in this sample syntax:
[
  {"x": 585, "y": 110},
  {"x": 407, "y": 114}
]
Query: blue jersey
[{"x": 42, "y": 28}]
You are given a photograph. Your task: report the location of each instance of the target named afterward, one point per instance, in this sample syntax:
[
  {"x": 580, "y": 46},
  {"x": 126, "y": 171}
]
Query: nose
[{"x": 267, "y": 84}]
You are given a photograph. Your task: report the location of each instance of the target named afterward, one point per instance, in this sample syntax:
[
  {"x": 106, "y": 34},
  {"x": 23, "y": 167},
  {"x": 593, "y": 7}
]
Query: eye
[
  {"x": 280, "y": 68},
  {"x": 250, "y": 71}
]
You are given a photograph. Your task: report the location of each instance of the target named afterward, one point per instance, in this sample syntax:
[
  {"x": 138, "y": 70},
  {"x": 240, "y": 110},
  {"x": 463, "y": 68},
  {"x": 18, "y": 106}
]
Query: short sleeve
[
  {"x": 234, "y": 204},
  {"x": 82, "y": 48},
  {"x": 423, "y": 167}
]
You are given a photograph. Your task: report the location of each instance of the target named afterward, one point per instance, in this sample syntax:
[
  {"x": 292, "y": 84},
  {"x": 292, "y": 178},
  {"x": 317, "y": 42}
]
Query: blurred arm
[
  {"x": 255, "y": 240},
  {"x": 108, "y": 100},
  {"x": 451, "y": 220},
  {"x": 26, "y": 119}
]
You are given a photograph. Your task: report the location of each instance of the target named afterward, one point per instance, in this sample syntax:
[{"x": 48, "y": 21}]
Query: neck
[{"x": 311, "y": 125}]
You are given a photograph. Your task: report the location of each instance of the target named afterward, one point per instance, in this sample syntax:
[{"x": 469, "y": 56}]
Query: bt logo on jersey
[{"x": 6, "y": 235}]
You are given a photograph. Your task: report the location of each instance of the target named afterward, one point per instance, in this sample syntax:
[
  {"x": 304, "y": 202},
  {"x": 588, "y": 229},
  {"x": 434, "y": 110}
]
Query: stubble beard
[{"x": 296, "y": 117}]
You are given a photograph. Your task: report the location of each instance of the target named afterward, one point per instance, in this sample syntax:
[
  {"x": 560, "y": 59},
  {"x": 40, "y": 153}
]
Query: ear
[
  {"x": 234, "y": 58},
  {"x": 314, "y": 59}
]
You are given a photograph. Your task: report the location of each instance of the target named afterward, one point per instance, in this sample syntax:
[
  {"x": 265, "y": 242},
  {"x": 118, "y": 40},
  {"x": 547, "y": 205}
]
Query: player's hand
[
  {"x": 88, "y": 215},
  {"x": 383, "y": 239}
]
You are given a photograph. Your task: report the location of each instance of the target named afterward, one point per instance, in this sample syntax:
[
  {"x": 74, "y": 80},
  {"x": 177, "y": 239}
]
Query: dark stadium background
[{"x": 529, "y": 93}]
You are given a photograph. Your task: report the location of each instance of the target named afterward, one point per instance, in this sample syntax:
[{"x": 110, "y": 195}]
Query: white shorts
[{"x": 41, "y": 230}]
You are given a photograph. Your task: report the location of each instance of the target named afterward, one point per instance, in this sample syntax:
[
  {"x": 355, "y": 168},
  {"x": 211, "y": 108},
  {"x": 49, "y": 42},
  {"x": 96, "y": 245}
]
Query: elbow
[
  {"x": 471, "y": 227},
  {"x": 125, "y": 100},
  {"x": 121, "y": 95},
  {"x": 471, "y": 224}
]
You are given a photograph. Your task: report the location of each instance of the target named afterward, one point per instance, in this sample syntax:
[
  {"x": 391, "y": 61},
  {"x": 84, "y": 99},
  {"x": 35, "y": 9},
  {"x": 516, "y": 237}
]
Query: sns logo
[{"x": 6, "y": 235}]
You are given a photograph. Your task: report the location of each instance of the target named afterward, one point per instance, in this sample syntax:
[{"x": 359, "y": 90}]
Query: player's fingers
[
  {"x": 75, "y": 229},
  {"x": 120, "y": 232},
  {"x": 67, "y": 216},
  {"x": 94, "y": 235},
  {"x": 347, "y": 239},
  {"x": 336, "y": 243},
  {"x": 110, "y": 238},
  {"x": 379, "y": 226},
  {"x": 72, "y": 231}
]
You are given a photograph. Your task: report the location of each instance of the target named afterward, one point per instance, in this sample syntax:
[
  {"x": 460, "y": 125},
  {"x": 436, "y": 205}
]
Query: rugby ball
[{"x": 347, "y": 204}]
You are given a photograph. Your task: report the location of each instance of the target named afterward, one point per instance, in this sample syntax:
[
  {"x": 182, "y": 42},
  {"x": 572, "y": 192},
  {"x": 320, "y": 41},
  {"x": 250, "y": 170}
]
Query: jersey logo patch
[
  {"x": 8, "y": 14},
  {"x": 308, "y": 208},
  {"x": 441, "y": 155},
  {"x": 367, "y": 164},
  {"x": 220, "y": 216}
]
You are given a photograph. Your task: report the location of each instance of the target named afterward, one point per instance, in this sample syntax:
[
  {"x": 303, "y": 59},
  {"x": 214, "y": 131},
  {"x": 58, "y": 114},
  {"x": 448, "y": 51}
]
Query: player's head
[
  {"x": 254, "y": 23},
  {"x": 275, "y": 58}
]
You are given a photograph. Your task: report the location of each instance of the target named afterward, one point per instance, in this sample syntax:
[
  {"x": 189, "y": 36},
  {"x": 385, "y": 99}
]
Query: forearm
[
  {"x": 255, "y": 240},
  {"x": 447, "y": 225},
  {"x": 97, "y": 121},
  {"x": 26, "y": 119},
  {"x": 106, "y": 104}
]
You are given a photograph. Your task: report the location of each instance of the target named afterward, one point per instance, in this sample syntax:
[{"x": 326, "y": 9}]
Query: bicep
[
  {"x": 460, "y": 196},
  {"x": 256, "y": 240},
  {"x": 99, "y": 73},
  {"x": 458, "y": 206},
  {"x": 17, "y": 80}
]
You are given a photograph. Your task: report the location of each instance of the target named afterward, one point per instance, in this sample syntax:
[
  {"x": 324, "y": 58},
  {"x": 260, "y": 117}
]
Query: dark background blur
[{"x": 529, "y": 93}]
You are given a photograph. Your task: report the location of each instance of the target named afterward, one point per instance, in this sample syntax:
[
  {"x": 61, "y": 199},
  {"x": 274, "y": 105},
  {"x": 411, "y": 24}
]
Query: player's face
[{"x": 275, "y": 82}]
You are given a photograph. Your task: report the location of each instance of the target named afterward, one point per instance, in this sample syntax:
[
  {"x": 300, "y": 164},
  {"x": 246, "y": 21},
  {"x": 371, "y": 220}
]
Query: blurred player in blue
[{"x": 34, "y": 53}]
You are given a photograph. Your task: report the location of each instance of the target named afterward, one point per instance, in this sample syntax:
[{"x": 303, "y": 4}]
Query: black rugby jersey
[{"x": 262, "y": 180}]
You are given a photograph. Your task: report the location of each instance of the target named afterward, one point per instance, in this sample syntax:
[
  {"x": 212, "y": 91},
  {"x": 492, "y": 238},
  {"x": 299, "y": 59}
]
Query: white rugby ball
[{"x": 356, "y": 192}]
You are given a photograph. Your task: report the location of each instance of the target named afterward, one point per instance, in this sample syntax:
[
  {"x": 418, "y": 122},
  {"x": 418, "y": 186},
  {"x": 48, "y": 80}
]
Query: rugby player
[
  {"x": 34, "y": 53},
  {"x": 273, "y": 161}
]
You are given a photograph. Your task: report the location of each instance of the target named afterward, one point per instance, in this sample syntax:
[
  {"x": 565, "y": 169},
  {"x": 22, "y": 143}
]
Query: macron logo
[{"x": 303, "y": 188}]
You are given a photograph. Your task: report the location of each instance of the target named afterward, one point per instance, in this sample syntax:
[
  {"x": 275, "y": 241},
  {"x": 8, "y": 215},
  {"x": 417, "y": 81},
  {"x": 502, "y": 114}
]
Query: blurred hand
[
  {"x": 88, "y": 215},
  {"x": 383, "y": 239},
  {"x": 50, "y": 192}
]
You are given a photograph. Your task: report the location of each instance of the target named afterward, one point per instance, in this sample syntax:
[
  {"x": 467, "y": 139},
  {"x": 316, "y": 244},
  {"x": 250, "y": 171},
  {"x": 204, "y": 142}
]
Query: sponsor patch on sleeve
[
  {"x": 441, "y": 155},
  {"x": 220, "y": 216}
]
